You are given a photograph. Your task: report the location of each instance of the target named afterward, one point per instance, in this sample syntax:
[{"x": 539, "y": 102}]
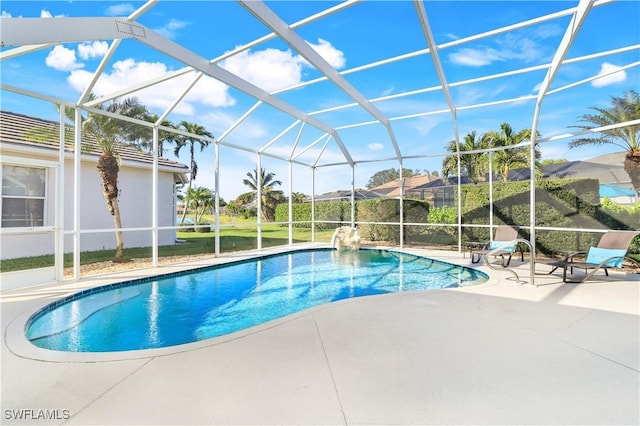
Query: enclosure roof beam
[
  {"x": 239, "y": 121},
  {"x": 570, "y": 34},
  {"x": 278, "y": 137},
  {"x": 278, "y": 26},
  {"x": 435, "y": 56},
  {"x": 61, "y": 30},
  {"x": 22, "y": 50},
  {"x": 29, "y": 31},
  {"x": 239, "y": 49}
]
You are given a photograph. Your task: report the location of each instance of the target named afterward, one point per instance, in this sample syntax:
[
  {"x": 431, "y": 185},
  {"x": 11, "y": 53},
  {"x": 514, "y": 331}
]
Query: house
[
  {"x": 615, "y": 183},
  {"x": 608, "y": 169},
  {"x": 345, "y": 195},
  {"x": 30, "y": 204},
  {"x": 392, "y": 189}
]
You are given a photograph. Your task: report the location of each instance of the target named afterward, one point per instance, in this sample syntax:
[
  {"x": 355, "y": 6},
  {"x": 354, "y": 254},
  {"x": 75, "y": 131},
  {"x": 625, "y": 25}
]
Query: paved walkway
[{"x": 497, "y": 353}]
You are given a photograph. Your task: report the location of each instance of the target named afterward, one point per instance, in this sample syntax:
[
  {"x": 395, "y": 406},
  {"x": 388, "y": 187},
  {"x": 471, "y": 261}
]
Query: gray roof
[
  {"x": 345, "y": 195},
  {"x": 30, "y": 131},
  {"x": 611, "y": 171}
]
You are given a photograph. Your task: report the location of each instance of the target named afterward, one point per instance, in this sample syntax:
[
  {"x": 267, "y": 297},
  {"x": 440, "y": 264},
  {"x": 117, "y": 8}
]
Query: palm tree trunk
[
  {"x": 108, "y": 169},
  {"x": 185, "y": 202},
  {"x": 118, "y": 224},
  {"x": 632, "y": 167}
]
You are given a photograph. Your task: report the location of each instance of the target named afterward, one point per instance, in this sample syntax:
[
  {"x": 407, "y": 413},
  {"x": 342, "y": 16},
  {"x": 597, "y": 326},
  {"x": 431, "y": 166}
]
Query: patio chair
[
  {"x": 610, "y": 253},
  {"x": 504, "y": 235}
]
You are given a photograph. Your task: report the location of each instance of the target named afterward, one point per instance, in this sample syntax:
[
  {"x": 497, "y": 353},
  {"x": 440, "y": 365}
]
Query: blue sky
[{"x": 356, "y": 36}]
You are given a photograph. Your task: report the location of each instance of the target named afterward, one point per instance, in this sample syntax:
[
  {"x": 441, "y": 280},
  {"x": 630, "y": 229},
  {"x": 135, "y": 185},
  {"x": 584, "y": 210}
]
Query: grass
[{"x": 242, "y": 236}]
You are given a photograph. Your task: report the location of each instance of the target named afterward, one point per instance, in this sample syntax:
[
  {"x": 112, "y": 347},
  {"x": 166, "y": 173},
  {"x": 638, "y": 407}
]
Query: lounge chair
[
  {"x": 610, "y": 253},
  {"x": 504, "y": 235}
]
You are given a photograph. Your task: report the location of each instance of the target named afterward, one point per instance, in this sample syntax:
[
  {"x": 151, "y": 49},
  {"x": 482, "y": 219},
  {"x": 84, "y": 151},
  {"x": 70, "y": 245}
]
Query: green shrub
[
  {"x": 561, "y": 203},
  {"x": 444, "y": 214},
  {"x": 615, "y": 216},
  {"x": 339, "y": 211},
  {"x": 204, "y": 229},
  {"x": 388, "y": 210}
]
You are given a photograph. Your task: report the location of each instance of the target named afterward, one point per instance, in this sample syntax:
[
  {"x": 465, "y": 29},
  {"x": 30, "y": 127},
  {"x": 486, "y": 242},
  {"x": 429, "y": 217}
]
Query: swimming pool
[{"x": 214, "y": 301}]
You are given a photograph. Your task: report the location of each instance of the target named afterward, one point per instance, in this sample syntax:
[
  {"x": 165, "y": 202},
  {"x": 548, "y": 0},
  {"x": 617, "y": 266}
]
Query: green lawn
[{"x": 242, "y": 236}]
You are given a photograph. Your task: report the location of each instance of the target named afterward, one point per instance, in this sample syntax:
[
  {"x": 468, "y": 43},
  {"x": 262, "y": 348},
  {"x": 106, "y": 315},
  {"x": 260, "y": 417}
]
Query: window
[{"x": 23, "y": 196}]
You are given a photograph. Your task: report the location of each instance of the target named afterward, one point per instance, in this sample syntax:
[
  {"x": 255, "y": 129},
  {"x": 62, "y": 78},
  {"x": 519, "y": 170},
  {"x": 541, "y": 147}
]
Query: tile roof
[{"x": 30, "y": 131}]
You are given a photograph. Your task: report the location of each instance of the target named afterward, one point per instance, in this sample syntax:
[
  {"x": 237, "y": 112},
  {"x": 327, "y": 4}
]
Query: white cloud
[
  {"x": 62, "y": 59},
  {"x": 44, "y": 13},
  {"x": 171, "y": 28},
  {"x": 6, "y": 14},
  {"x": 611, "y": 74},
  {"x": 269, "y": 69},
  {"x": 129, "y": 72},
  {"x": 476, "y": 57},
  {"x": 333, "y": 56},
  {"x": 526, "y": 46},
  {"x": 122, "y": 9},
  {"x": 376, "y": 146},
  {"x": 97, "y": 49},
  {"x": 273, "y": 69}
]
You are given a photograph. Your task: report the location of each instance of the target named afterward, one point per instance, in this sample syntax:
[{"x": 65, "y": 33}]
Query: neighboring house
[
  {"x": 392, "y": 189},
  {"x": 30, "y": 152},
  {"x": 608, "y": 169},
  {"x": 345, "y": 195}
]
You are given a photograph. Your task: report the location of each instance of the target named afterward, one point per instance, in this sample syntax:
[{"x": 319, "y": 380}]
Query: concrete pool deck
[{"x": 496, "y": 353}]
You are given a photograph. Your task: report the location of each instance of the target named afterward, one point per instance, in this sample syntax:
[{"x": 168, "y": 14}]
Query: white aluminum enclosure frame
[{"x": 29, "y": 35}]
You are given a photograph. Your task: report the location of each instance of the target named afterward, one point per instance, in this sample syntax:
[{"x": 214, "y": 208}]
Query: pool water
[{"x": 197, "y": 305}]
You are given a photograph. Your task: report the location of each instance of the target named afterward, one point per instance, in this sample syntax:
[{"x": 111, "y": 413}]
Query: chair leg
[{"x": 508, "y": 260}]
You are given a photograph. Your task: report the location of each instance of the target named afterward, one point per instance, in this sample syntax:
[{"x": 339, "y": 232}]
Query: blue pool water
[{"x": 197, "y": 305}]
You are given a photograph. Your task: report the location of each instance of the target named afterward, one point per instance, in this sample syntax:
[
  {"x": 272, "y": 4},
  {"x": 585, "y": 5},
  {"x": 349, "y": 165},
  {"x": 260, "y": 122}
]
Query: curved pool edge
[{"x": 18, "y": 344}]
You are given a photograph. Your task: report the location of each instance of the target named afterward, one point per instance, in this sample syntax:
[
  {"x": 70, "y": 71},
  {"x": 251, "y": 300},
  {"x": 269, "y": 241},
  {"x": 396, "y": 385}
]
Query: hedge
[
  {"x": 372, "y": 210},
  {"x": 388, "y": 210},
  {"x": 562, "y": 203},
  {"x": 339, "y": 211}
]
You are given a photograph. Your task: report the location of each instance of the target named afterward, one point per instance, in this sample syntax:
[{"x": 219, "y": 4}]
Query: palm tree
[
  {"x": 200, "y": 199},
  {"x": 473, "y": 165},
  {"x": 298, "y": 197},
  {"x": 182, "y": 141},
  {"x": 508, "y": 159},
  {"x": 196, "y": 129},
  {"x": 624, "y": 108},
  {"x": 110, "y": 133},
  {"x": 164, "y": 137},
  {"x": 270, "y": 197}
]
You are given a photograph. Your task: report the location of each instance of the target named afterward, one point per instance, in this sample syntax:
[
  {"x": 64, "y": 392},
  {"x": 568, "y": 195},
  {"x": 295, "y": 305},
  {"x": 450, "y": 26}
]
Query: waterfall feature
[{"x": 346, "y": 238}]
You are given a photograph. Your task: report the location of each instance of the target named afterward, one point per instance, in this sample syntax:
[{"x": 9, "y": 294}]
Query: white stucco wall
[{"x": 135, "y": 185}]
